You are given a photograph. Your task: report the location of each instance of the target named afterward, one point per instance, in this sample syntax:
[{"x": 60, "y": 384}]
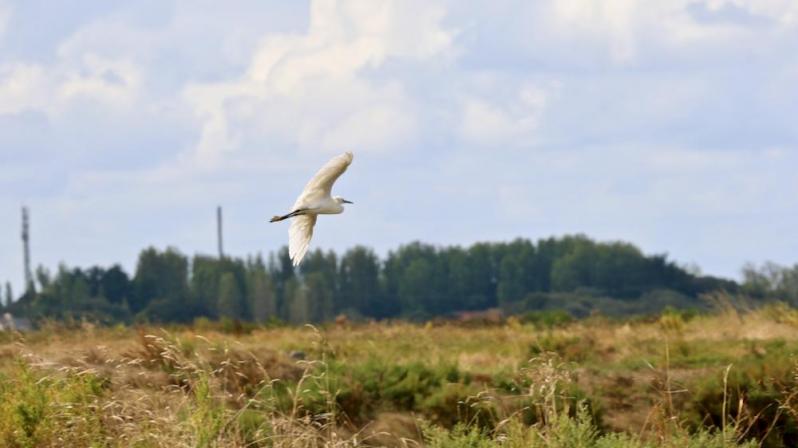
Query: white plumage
[
  {"x": 299, "y": 234},
  {"x": 315, "y": 200}
]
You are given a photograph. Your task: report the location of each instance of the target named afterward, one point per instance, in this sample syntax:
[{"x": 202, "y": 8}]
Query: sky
[{"x": 669, "y": 124}]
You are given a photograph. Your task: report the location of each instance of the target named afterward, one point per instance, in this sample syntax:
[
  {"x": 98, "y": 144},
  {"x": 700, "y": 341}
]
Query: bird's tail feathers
[{"x": 296, "y": 212}]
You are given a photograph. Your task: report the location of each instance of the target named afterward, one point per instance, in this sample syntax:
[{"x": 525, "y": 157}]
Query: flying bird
[{"x": 315, "y": 200}]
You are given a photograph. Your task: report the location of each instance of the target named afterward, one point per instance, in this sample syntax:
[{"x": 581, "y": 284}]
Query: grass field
[{"x": 725, "y": 379}]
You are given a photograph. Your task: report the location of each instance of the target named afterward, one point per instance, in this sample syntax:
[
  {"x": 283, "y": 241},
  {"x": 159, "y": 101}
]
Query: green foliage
[
  {"x": 230, "y": 299},
  {"x": 750, "y": 395},
  {"x": 359, "y": 281},
  {"x": 319, "y": 296},
  {"x": 297, "y": 302},
  {"x": 459, "y": 402},
  {"x": 253, "y": 427},
  {"x": 37, "y": 410},
  {"x": 547, "y": 318},
  {"x": 115, "y": 285},
  {"x": 207, "y": 417},
  {"x": 771, "y": 280},
  {"x": 568, "y": 432},
  {"x": 461, "y": 436},
  {"x": 617, "y": 269},
  {"x": 73, "y": 294},
  {"x": 417, "y": 281},
  {"x": 441, "y": 392},
  {"x": 159, "y": 275},
  {"x": 262, "y": 297}
]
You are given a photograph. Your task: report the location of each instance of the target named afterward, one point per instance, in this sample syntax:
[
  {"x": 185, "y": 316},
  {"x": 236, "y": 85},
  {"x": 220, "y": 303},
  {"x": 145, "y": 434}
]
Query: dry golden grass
[{"x": 153, "y": 387}]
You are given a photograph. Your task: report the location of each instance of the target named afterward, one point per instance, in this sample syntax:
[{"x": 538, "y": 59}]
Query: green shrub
[
  {"x": 207, "y": 415},
  {"x": 455, "y": 403},
  {"x": 547, "y": 318},
  {"x": 754, "y": 389},
  {"x": 359, "y": 391},
  {"x": 57, "y": 410}
]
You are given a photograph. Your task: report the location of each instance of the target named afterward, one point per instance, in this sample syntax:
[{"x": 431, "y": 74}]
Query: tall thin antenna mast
[
  {"x": 26, "y": 250},
  {"x": 219, "y": 230}
]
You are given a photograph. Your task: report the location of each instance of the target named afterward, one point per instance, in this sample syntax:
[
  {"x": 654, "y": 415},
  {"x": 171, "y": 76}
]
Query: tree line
[{"x": 415, "y": 281}]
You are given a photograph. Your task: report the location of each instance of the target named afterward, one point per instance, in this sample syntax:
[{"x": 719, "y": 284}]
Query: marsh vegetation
[{"x": 678, "y": 379}]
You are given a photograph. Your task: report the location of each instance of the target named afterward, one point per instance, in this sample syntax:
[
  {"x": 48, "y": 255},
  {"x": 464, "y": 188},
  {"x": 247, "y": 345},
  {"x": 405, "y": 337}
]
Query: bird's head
[{"x": 341, "y": 200}]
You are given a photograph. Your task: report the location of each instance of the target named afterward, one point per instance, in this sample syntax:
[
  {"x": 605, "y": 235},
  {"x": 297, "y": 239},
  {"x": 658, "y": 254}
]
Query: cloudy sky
[{"x": 670, "y": 124}]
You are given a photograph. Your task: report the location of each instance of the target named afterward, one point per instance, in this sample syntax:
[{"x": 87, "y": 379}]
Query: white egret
[{"x": 315, "y": 200}]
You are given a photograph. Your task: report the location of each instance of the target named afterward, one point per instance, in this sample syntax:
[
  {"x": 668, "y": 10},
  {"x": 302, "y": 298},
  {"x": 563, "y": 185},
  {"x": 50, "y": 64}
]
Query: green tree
[
  {"x": 789, "y": 284},
  {"x": 414, "y": 293},
  {"x": 43, "y": 277},
  {"x": 230, "y": 298},
  {"x": 457, "y": 275},
  {"x": 410, "y": 277},
  {"x": 417, "y": 280},
  {"x": 72, "y": 287},
  {"x": 69, "y": 295},
  {"x": 359, "y": 284},
  {"x": 482, "y": 263},
  {"x": 319, "y": 296},
  {"x": 159, "y": 275},
  {"x": 771, "y": 280},
  {"x": 324, "y": 263},
  {"x": 281, "y": 271},
  {"x": 573, "y": 270},
  {"x": 262, "y": 298},
  {"x": 115, "y": 285},
  {"x": 205, "y": 275},
  {"x": 759, "y": 282},
  {"x": 511, "y": 279},
  {"x": 297, "y": 302},
  {"x": 94, "y": 276}
]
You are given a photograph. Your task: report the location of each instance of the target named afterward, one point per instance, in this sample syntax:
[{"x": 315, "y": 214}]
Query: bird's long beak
[{"x": 347, "y": 202}]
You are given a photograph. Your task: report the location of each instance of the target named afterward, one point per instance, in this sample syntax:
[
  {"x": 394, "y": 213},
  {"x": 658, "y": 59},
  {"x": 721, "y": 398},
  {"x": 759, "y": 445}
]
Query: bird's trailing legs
[{"x": 290, "y": 215}]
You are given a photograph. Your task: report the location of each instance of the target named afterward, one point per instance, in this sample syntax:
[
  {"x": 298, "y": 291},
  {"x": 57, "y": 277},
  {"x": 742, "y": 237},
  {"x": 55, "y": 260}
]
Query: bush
[
  {"x": 38, "y": 410},
  {"x": 569, "y": 348},
  {"x": 754, "y": 388},
  {"x": 547, "y": 319}
]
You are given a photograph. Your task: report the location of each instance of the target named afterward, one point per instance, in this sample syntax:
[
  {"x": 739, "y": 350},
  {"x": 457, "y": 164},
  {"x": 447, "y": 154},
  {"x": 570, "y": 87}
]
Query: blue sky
[{"x": 669, "y": 124}]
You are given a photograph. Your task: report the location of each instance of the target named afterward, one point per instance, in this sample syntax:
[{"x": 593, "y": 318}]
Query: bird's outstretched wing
[
  {"x": 320, "y": 185},
  {"x": 299, "y": 235}
]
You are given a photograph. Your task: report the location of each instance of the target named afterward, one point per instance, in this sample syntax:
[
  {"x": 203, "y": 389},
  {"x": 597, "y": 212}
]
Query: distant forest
[{"x": 417, "y": 281}]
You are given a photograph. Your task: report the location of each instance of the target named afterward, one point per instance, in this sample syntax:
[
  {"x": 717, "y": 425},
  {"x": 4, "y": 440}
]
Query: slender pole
[
  {"x": 219, "y": 230},
  {"x": 26, "y": 249}
]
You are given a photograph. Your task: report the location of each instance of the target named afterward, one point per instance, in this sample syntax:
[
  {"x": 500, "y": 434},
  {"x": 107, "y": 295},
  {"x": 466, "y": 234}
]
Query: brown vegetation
[{"x": 648, "y": 381}]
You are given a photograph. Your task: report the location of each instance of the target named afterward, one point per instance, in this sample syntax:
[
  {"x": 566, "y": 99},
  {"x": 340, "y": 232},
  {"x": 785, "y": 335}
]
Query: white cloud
[
  {"x": 630, "y": 30},
  {"x": 346, "y": 37},
  {"x": 311, "y": 90},
  {"x": 23, "y": 87},
  {"x": 369, "y": 127},
  {"x": 114, "y": 82},
  {"x": 513, "y": 120},
  {"x": 51, "y": 89},
  {"x": 613, "y": 19},
  {"x": 783, "y": 12}
]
